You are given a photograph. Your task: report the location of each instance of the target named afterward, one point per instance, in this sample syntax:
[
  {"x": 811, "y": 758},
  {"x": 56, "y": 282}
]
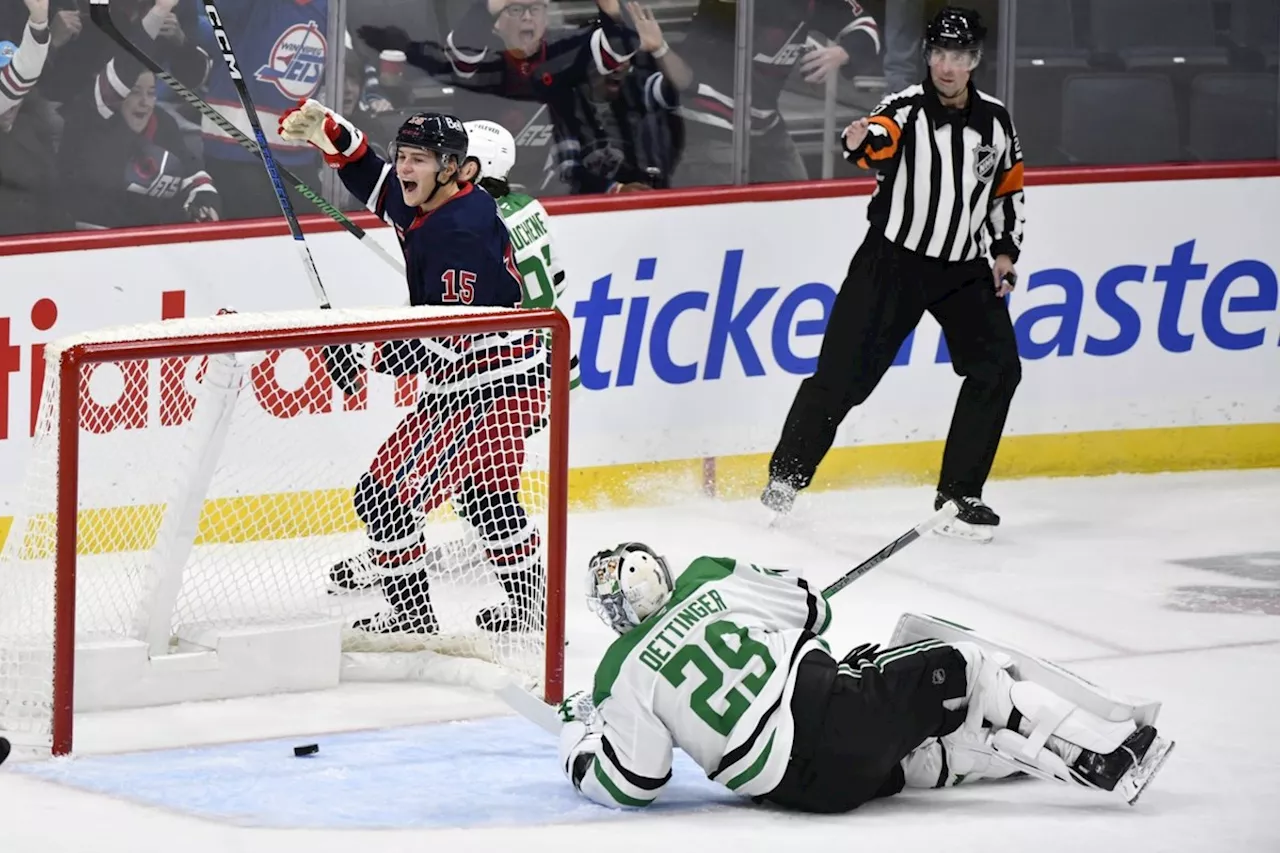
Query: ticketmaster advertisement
[{"x": 1144, "y": 308}]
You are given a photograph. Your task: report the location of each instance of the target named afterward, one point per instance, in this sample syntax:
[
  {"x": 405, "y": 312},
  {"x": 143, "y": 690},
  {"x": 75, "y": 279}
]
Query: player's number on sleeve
[
  {"x": 727, "y": 659},
  {"x": 459, "y": 287}
]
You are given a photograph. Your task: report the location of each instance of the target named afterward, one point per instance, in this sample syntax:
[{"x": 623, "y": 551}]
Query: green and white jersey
[
  {"x": 543, "y": 277},
  {"x": 526, "y": 219},
  {"x": 712, "y": 672}
]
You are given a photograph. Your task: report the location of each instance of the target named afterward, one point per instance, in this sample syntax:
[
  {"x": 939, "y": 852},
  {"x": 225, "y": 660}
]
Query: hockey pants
[
  {"x": 466, "y": 446},
  {"x": 855, "y": 724}
]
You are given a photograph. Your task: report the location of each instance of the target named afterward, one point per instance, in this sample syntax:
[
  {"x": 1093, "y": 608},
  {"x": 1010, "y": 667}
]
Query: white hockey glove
[
  {"x": 578, "y": 745},
  {"x": 314, "y": 123}
]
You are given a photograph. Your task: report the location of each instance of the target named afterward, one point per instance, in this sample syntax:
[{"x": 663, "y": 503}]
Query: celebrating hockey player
[
  {"x": 487, "y": 391},
  {"x": 728, "y": 662}
]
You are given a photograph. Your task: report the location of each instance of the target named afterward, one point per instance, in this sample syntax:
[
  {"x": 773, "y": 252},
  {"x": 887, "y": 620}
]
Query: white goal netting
[{"x": 221, "y": 492}]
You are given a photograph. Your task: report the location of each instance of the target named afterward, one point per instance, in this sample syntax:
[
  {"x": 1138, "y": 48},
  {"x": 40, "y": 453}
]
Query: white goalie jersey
[{"x": 712, "y": 672}]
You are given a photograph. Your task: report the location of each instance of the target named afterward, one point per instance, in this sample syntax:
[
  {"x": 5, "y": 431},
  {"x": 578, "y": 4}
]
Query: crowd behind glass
[{"x": 95, "y": 141}]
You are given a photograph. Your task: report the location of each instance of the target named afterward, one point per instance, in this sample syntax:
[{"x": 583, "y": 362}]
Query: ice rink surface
[{"x": 1163, "y": 586}]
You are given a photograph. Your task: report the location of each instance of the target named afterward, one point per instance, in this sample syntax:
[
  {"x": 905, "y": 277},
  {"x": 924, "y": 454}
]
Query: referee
[{"x": 949, "y": 191}]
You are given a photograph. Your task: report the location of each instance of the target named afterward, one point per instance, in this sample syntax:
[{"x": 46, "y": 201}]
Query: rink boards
[{"x": 1146, "y": 316}]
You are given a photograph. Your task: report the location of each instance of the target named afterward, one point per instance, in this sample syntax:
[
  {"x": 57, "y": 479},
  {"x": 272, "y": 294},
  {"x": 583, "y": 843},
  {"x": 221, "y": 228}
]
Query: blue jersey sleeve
[{"x": 373, "y": 180}]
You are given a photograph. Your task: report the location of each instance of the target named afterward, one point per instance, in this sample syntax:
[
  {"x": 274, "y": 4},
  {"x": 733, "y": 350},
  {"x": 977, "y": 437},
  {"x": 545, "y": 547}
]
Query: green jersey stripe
[
  {"x": 644, "y": 783},
  {"x": 756, "y": 766},
  {"x": 885, "y": 658},
  {"x": 614, "y": 791}
]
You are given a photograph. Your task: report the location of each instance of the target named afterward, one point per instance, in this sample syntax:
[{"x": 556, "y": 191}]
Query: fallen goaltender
[{"x": 728, "y": 662}]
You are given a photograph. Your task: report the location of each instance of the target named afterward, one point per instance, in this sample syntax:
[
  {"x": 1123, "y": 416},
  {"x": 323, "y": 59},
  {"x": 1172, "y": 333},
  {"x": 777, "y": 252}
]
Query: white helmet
[
  {"x": 493, "y": 146},
  {"x": 628, "y": 584}
]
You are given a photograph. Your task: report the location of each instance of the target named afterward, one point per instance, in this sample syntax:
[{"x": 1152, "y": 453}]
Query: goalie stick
[
  {"x": 546, "y": 717},
  {"x": 99, "y": 12},
  {"x": 949, "y": 511}
]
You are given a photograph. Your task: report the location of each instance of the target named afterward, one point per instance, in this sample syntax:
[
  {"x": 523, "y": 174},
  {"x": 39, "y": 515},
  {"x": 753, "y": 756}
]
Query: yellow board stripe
[{"x": 317, "y": 513}]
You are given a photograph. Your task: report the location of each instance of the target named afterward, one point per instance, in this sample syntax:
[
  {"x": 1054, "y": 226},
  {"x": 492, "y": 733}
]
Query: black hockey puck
[
  {"x": 5, "y": 749},
  {"x": 304, "y": 751}
]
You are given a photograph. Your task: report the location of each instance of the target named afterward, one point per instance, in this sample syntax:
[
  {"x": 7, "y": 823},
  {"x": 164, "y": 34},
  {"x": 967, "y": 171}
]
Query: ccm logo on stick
[{"x": 223, "y": 42}]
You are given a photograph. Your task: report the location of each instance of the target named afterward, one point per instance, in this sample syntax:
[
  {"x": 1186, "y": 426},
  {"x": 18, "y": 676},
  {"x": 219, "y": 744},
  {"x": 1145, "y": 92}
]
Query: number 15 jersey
[{"x": 712, "y": 672}]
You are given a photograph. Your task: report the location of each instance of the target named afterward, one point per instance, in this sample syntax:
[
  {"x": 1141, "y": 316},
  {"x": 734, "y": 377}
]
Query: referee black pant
[{"x": 883, "y": 298}]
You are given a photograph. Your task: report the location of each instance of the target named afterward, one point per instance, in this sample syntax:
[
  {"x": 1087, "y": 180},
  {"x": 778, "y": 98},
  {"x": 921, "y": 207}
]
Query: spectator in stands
[
  {"x": 21, "y": 64},
  {"x": 780, "y": 44},
  {"x": 505, "y": 48},
  {"x": 27, "y": 198},
  {"x": 608, "y": 137},
  {"x": 903, "y": 35},
  {"x": 81, "y": 50},
  {"x": 362, "y": 91},
  {"x": 123, "y": 162}
]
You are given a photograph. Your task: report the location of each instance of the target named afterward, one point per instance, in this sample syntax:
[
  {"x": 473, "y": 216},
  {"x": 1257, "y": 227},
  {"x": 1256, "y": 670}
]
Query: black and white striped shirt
[{"x": 949, "y": 181}]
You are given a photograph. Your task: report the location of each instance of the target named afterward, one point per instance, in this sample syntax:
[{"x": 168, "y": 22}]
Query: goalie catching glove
[{"x": 339, "y": 140}]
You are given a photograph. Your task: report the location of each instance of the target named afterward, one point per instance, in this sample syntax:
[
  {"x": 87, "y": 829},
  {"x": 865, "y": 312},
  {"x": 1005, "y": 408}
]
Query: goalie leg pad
[
  {"x": 1012, "y": 747},
  {"x": 1042, "y": 720},
  {"x": 1105, "y": 703},
  {"x": 1049, "y": 715}
]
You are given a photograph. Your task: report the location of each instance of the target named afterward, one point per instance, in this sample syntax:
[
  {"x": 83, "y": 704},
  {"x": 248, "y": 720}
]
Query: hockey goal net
[{"x": 206, "y": 513}]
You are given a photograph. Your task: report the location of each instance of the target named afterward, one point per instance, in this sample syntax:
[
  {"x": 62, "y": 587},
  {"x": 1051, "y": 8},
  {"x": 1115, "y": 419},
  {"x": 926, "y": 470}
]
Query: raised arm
[{"x": 21, "y": 74}]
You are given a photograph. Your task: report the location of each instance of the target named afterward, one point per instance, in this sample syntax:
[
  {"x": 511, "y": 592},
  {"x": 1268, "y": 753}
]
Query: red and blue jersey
[{"x": 458, "y": 255}]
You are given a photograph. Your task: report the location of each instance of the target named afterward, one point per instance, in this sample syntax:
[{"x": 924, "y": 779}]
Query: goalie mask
[{"x": 627, "y": 584}]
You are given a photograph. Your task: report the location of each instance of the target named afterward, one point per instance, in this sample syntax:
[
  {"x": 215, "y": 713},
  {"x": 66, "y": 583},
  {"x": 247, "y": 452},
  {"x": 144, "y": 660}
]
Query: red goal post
[{"x": 70, "y": 364}]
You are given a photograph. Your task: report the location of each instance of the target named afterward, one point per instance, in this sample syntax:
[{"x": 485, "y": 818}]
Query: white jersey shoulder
[
  {"x": 712, "y": 672},
  {"x": 527, "y": 222}
]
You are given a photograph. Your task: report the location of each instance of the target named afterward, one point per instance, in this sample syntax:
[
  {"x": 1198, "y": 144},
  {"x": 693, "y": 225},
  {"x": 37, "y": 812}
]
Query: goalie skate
[{"x": 1133, "y": 783}]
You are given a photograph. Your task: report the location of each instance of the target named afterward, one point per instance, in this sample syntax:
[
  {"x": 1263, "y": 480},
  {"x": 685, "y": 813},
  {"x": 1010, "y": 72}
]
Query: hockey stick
[
  {"x": 545, "y": 717},
  {"x": 949, "y": 511},
  {"x": 99, "y": 12},
  {"x": 268, "y": 159}
]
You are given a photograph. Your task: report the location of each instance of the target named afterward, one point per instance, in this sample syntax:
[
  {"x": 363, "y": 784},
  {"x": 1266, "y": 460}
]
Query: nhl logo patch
[
  {"x": 939, "y": 676},
  {"x": 984, "y": 162}
]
